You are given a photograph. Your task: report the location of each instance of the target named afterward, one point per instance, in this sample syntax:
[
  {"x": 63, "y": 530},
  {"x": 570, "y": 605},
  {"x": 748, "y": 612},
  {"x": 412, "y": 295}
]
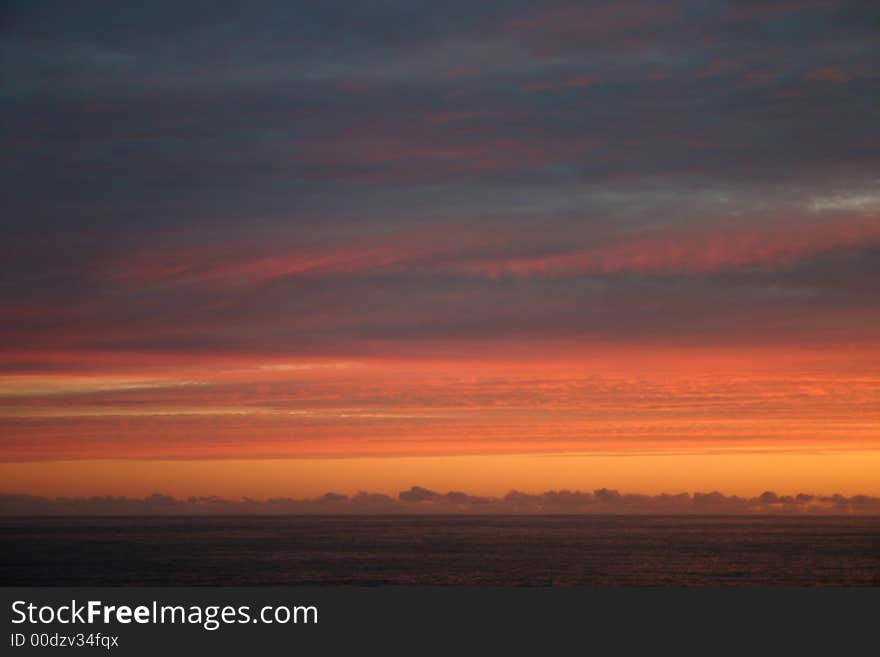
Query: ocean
[{"x": 442, "y": 550}]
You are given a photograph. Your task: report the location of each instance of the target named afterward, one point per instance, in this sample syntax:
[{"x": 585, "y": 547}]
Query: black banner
[{"x": 332, "y": 620}]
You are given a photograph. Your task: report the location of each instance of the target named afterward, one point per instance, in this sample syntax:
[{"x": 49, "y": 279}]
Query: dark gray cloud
[
  {"x": 112, "y": 110},
  {"x": 418, "y": 500}
]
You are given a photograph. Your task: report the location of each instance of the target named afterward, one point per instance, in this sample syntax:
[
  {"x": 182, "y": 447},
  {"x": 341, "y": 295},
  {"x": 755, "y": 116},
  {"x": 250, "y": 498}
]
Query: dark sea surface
[{"x": 446, "y": 550}]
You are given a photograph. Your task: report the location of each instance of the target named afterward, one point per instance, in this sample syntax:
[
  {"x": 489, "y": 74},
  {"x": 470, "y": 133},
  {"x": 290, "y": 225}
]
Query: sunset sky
[{"x": 276, "y": 248}]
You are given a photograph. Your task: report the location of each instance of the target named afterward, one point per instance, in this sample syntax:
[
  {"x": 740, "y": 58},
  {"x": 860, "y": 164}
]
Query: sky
[{"x": 284, "y": 248}]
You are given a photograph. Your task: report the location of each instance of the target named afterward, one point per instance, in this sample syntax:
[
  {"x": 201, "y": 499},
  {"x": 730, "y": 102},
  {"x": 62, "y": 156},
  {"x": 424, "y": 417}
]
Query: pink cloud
[
  {"x": 567, "y": 83},
  {"x": 695, "y": 251},
  {"x": 829, "y": 74}
]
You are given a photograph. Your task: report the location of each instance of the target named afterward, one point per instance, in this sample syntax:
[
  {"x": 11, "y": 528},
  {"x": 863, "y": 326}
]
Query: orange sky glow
[{"x": 640, "y": 420}]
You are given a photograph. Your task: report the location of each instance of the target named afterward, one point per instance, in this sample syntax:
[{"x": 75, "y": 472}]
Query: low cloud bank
[{"x": 418, "y": 500}]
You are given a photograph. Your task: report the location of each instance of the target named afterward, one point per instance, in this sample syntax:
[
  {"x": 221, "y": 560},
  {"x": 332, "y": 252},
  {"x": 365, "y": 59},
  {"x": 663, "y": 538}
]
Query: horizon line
[{"x": 418, "y": 500}]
